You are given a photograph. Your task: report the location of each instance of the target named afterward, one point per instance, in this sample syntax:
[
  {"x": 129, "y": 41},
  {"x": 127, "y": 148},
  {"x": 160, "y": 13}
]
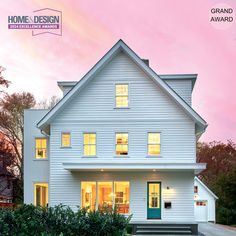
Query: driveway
[{"x": 210, "y": 229}]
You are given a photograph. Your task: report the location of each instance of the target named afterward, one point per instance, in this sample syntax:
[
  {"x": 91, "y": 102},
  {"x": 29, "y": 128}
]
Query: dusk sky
[{"x": 176, "y": 37}]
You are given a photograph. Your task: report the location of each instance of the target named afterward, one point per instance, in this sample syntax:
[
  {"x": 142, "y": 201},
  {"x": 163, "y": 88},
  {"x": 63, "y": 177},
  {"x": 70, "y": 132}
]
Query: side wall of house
[
  {"x": 204, "y": 195},
  {"x": 35, "y": 171}
]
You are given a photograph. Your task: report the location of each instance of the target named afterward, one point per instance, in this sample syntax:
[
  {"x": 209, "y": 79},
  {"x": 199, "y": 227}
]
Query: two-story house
[{"x": 122, "y": 135}]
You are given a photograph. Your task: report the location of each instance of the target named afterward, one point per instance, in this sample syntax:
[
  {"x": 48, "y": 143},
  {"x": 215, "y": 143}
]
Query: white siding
[
  {"x": 204, "y": 195},
  {"x": 66, "y": 189},
  {"x": 35, "y": 171},
  {"x": 183, "y": 88}
]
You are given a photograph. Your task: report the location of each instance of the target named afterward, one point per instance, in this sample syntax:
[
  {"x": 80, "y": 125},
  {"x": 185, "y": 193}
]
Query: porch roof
[{"x": 94, "y": 164}]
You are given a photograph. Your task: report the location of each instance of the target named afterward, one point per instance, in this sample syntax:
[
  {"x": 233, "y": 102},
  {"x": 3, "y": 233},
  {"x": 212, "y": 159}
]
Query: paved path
[{"x": 210, "y": 229}]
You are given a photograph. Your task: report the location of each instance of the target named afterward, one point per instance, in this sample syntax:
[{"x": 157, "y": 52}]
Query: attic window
[
  {"x": 122, "y": 95},
  {"x": 195, "y": 189}
]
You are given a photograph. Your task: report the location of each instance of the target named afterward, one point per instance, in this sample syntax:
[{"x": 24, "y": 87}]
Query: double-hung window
[
  {"x": 65, "y": 140},
  {"x": 41, "y": 148},
  {"x": 154, "y": 144},
  {"x": 122, "y": 95},
  {"x": 90, "y": 144},
  {"x": 121, "y": 144}
]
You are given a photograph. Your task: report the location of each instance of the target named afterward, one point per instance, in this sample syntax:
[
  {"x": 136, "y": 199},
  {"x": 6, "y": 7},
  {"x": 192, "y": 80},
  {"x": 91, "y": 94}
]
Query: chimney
[{"x": 146, "y": 61}]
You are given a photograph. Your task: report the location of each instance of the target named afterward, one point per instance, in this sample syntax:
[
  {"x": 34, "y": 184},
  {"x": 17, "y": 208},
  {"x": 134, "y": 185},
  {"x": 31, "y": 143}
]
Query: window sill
[
  {"x": 62, "y": 147},
  {"x": 154, "y": 156},
  {"x": 121, "y": 107},
  {"x": 89, "y": 156},
  {"x": 121, "y": 156},
  {"x": 46, "y": 159}
]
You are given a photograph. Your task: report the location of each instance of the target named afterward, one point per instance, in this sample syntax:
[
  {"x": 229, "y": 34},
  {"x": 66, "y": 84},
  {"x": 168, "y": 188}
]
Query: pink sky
[{"x": 176, "y": 36}]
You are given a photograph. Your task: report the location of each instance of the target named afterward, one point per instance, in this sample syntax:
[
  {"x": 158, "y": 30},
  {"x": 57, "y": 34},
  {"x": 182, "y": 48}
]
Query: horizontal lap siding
[{"x": 66, "y": 190}]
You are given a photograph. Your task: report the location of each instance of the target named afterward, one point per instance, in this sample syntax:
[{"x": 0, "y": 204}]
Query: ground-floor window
[
  {"x": 99, "y": 194},
  {"x": 41, "y": 194}
]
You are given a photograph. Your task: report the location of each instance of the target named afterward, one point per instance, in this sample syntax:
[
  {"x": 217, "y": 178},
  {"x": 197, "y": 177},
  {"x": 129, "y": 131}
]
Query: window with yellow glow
[
  {"x": 41, "y": 194},
  {"x": 90, "y": 144},
  {"x": 122, "y": 144},
  {"x": 88, "y": 195},
  {"x": 41, "y": 148},
  {"x": 122, "y": 95},
  {"x": 154, "y": 144},
  {"x": 121, "y": 196},
  {"x": 105, "y": 194},
  {"x": 66, "y": 140},
  {"x": 154, "y": 195}
]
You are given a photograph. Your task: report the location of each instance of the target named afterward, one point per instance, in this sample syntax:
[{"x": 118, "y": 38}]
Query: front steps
[{"x": 164, "y": 229}]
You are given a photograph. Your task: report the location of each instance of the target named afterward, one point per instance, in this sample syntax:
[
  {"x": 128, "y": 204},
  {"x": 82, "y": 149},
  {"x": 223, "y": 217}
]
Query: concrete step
[
  {"x": 163, "y": 232},
  {"x": 163, "y": 227}
]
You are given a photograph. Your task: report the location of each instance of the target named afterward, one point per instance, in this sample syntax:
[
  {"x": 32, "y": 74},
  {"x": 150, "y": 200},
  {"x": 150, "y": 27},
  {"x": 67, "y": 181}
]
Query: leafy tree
[{"x": 11, "y": 126}]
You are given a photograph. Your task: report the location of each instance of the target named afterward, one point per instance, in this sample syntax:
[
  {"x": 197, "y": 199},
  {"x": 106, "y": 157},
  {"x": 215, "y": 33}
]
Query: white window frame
[
  {"x": 47, "y": 153},
  {"x": 154, "y": 132},
  {"x": 122, "y": 83},
  {"x": 125, "y": 132},
  {"x": 89, "y": 144},
  {"x": 113, "y": 189},
  {"x": 65, "y": 132}
]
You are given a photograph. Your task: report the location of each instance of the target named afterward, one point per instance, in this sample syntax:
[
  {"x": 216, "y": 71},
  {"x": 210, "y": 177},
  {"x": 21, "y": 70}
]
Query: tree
[
  {"x": 11, "y": 126},
  {"x": 48, "y": 103},
  {"x": 3, "y": 82}
]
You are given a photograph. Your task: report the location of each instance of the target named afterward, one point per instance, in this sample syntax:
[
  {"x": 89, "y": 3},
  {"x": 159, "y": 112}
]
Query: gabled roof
[
  {"x": 204, "y": 186},
  {"x": 120, "y": 46}
]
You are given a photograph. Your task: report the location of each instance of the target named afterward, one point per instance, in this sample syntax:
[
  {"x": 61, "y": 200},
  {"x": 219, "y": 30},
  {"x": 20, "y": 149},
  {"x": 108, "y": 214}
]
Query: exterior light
[
  {"x": 154, "y": 170},
  {"x": 102, "y": 170}
]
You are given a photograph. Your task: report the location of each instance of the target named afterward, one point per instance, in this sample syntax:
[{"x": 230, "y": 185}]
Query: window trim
[
  {"x": 153, "y": 156},
  {"x": 47, "y": 153},
  {"x": 65, "y": 132},
  {"x": 121, "y": 156},
  {"x": 122, "y": 83},
  {"x": 89, "y": 156},
  {"x": 113, "y": 189}
]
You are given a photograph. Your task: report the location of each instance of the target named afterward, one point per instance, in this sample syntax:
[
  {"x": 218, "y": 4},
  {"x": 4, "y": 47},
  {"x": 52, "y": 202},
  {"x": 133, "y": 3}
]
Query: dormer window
[{"x": 122, "y": 95}]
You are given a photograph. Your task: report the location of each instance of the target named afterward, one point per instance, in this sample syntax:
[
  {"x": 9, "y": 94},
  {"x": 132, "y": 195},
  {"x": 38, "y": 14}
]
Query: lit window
[
  {"x": 122, "y": 144},
  {"x": 41, "y": 194},
  {"x": 89, "y": 144},
  {"x": 105, "y": 194},
  {"x": 195, "y": 189},
  {"x": 154, "y": 143},
  {"x": 122, "y": 96},
  {"x": 41, "y": 148},
  {"x": 154, "y": 195},
  {"x": 201, "y": 203},
  {"x": 66, "y": 140},
  {"x": 122, "y": 196},
  {"x": 88, "y": 195}
]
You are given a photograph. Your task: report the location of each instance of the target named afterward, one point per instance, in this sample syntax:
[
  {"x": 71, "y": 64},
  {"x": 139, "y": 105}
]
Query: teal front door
[{"x": 154, "y": 200}]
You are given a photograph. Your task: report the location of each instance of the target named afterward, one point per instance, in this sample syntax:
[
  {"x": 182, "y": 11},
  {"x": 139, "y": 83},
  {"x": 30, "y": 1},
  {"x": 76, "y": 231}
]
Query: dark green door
[{"x": 154, "y": 200}]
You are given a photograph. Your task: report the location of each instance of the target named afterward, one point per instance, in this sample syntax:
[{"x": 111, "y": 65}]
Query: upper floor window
[
  {"x": 122, "y": 144},
  {"x": 41, "y": 148},
  {"x": 122, "y": 95},
  {"x": 154, "y": 144},
  {"x": 195, "y": 189},
  {"x": 65, "y": 142},
  {"x": 90, "y": 144}
]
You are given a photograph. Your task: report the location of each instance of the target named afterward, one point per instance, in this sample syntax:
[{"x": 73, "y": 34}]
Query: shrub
[{"x": 61, "y": 221}]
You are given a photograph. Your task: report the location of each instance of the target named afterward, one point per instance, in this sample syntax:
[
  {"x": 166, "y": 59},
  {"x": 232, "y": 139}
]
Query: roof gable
[
  {"x": 205, "y": 187},
  {"x": 120, "y": 46}
]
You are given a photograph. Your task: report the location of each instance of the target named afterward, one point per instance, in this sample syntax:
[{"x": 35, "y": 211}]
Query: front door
[{"x": 154, "y": 200}]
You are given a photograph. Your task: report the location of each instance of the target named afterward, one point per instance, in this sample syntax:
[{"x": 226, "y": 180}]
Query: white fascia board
[
  {"x": 120, "y": 45},
  {"x": 204, "y": 186},
  {"x": 131, "y": 165}
]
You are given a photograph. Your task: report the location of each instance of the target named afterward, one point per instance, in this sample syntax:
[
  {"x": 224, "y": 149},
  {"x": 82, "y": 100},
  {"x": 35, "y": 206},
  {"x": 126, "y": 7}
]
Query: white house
[
  {"x": 204, "y": 202},
  {"x": 121, "y": 135}
]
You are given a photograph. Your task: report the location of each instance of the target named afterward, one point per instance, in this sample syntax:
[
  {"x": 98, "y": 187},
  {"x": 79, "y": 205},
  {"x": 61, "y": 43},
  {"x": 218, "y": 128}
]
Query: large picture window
[
  {"x": 154, "y": 144},
  {"x": 41, "y": 194},
  {"x": 122, "y": 95},
  {"x": 105, "y": 194},
  {"x": 90, "y": 144},
  {"x": 41, "y": 148}
]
